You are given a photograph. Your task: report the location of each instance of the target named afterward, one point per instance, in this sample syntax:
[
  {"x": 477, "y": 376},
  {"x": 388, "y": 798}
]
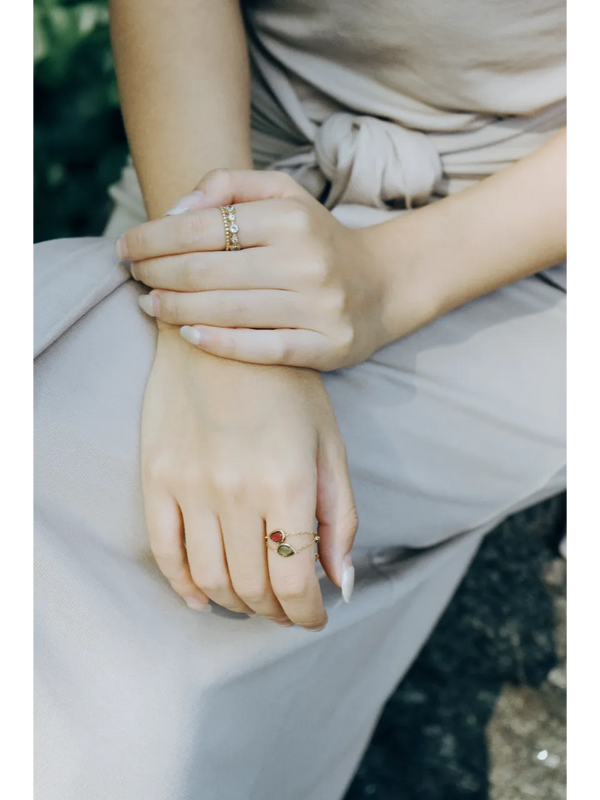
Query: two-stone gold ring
[{"x": 277, "y": 542}]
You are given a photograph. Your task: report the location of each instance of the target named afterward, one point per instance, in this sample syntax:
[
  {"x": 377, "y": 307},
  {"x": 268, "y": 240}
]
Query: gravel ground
[{"x": 481, "y": 713}]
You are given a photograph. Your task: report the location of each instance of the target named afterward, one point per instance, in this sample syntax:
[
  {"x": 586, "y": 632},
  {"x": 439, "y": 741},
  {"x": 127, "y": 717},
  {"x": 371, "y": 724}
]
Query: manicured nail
[
  {"x": 347, "y": 578},
  {"x": 121, "y": 248},
  {"x": 197, "y": 605},
  {"x": 186, "y": 203},
  {"x": 149, "y": 304},
  {"x": 192, "y": 335}
]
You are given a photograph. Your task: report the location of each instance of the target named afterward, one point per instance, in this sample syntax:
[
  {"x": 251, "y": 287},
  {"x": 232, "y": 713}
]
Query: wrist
[{"x": 399, "y": 254}]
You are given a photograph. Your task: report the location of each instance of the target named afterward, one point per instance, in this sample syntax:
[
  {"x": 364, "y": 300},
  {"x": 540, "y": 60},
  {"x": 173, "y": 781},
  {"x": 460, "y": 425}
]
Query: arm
[
  {"x": 226, "y": 448},
  {"x": 182, "y": 70},
  {"x": 509, "y": 226},
  {"x": 344, "y": 293}
]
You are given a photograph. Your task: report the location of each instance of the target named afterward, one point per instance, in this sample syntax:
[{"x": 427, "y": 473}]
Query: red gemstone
[{"x": 276, "y": 536}]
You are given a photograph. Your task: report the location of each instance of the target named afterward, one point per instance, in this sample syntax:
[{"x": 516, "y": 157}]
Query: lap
[{"x": 447, "y": 431}]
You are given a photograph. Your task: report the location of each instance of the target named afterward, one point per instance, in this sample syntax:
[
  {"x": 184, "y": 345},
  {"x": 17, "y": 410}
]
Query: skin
[
  {"x": 309, "y": 292},
  {"x": 254, "y": 446},
  {"x": 175, "y": 124}
]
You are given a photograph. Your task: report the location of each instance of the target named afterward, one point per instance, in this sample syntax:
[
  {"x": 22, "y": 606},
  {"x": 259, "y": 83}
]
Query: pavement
[{"x": 481, "y": 713}]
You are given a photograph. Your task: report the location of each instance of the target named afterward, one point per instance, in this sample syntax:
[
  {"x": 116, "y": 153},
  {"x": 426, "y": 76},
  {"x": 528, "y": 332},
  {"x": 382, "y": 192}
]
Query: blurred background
[
  {"x": 481, "y": 713},
  {"x": 79, "y": 140}
]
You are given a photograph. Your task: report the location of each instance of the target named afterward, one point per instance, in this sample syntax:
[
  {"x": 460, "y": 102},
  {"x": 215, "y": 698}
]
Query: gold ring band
[
  {"x": 282, "y": 547},
  {"x": 232, "y": 241}
]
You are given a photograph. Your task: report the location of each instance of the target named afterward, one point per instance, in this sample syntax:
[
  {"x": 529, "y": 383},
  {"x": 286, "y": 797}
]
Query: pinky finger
[
  {"x": 165, "y": 528},
  {"x": 284, "y": 346}
]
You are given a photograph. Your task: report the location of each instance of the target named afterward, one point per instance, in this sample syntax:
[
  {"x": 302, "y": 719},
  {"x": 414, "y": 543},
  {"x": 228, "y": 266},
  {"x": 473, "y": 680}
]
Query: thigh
[
  {"x": 137, "y": 696},
  {"x": 462, "y": 421}
]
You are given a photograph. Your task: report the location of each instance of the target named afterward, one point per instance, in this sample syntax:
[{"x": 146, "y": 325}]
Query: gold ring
[
  {"x": 283, "y": 548},
  {"x": 232, "y": 241}
]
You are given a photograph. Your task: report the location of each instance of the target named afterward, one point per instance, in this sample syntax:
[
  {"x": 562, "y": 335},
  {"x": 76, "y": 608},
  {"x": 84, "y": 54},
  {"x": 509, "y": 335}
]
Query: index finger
[{"x": 199, "y": 229}]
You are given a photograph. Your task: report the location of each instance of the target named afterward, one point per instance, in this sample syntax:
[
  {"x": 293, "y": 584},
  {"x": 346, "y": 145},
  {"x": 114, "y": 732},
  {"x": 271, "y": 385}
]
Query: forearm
[
  {"x": 183, "y": 76},
  {"x": 509, "y": 226}
]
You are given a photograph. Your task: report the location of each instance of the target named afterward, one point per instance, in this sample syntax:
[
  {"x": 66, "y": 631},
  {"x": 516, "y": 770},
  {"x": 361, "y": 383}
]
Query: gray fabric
[
  {"x": 137, "y": 696},
  {"x": 447, "y": 431}
]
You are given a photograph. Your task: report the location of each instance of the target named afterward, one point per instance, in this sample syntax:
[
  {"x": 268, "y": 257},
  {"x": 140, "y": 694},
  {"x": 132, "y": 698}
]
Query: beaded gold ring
[{"x": 232, "y": 241}]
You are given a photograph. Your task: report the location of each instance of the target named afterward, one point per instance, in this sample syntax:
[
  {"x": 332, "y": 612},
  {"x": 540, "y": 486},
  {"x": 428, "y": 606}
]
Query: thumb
[
  {"x": 336, "y": 514},
  {"x": 223, "y": 187}
]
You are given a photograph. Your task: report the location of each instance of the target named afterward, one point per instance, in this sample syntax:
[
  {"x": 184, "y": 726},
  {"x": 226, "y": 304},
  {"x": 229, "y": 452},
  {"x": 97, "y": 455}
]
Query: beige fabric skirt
[{"x": 138, "y": 698}]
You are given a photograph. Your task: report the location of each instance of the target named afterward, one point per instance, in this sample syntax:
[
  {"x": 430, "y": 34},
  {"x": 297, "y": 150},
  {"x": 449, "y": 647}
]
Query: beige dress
[{"x": 375, "y": 105}]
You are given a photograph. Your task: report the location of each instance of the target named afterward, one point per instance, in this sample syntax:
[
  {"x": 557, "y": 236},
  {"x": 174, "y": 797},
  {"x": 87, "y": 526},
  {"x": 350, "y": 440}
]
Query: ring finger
[{"x": 294, "y": 578}]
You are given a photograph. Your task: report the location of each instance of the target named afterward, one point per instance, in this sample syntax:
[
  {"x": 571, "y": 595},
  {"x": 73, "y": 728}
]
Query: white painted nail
[
  {"x": 148, "y": 304},
  {"x": 347, "y": 578},
  {"x": 173, "y": 211},
  {"x": 186, "y": 203},
  {"x": 190, "y": 334},
  {"x": 197, "y": 605}
]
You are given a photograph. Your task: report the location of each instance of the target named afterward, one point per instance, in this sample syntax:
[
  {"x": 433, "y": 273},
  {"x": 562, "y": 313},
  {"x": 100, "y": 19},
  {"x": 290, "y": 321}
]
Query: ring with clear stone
[{"x": 232, "y": 241}]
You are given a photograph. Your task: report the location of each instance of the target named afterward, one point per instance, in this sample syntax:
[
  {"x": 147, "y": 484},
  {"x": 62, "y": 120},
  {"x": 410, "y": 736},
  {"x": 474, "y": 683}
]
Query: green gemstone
[{"x": 285, "y": 550}]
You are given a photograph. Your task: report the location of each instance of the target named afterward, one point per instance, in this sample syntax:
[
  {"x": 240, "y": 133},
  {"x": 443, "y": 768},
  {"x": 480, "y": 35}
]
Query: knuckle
[
  {"x": 254, "y": 593},
  {"x": 287, "y": 483},
  {"x": 216, "y": 181},
  {"x": 318, "y": 269},
  {"x": 167, "y": 559},
  {"x": 158, "y": 469},
  {"x": 190, "y": 272},
  {"x": 295, "y": 215},
  {"x": 191, "y": 228},
  {"x": 211, "y": 582},
  {"x": 345, "y": 337},
  {"x": 234, "y": 310},
  {"x": 229, "y": 482},
  {"x": 335, "y": 301},
  {"x": 292, "y": 587}
]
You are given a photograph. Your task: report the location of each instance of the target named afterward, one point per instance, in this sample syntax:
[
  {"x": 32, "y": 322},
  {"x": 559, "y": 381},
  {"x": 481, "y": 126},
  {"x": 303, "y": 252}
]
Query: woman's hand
[
  {"x": 304, "y": 290},
  {"x": 231, "y": 452}
]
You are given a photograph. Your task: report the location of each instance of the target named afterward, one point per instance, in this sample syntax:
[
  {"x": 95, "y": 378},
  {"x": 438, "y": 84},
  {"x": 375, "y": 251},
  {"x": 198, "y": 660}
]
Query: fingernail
[
  {"x": 149, "y": 304},
  {"x": 347, "y": 578},
  {"x": 197, "y": 605},
  {"x": 192, "y": 335},
  {"x": 191, "y": 200},
  {"x": 133, "y": 272},
  {"x": 121, "y": 248}
]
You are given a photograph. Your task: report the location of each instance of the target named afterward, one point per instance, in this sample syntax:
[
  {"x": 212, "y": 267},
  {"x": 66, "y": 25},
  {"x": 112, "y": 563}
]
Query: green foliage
[{"x": 80, "y": 143}]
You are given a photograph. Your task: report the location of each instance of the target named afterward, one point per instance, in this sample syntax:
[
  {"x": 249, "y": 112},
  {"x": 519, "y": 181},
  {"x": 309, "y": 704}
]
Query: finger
[
  {"x": 288, "y": 347},
  {"x": 225, "y": 186},
  {"x": 253, "y": 268},
  {"x": 165, "y": 530},
  {"x": 199, "y": 230},
  {"x": 294, "y": 578},
  {"x": 246, "y": 553},
  {"x": 206, "y": 557},
  {"x": 336, "y": 513},
  {"x": 253, "y": 308},
  {"x": 220, "y": 187}
]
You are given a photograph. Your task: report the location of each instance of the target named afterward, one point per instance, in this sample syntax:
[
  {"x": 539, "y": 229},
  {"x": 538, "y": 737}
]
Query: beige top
[{"x": 397, "y": 100}]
